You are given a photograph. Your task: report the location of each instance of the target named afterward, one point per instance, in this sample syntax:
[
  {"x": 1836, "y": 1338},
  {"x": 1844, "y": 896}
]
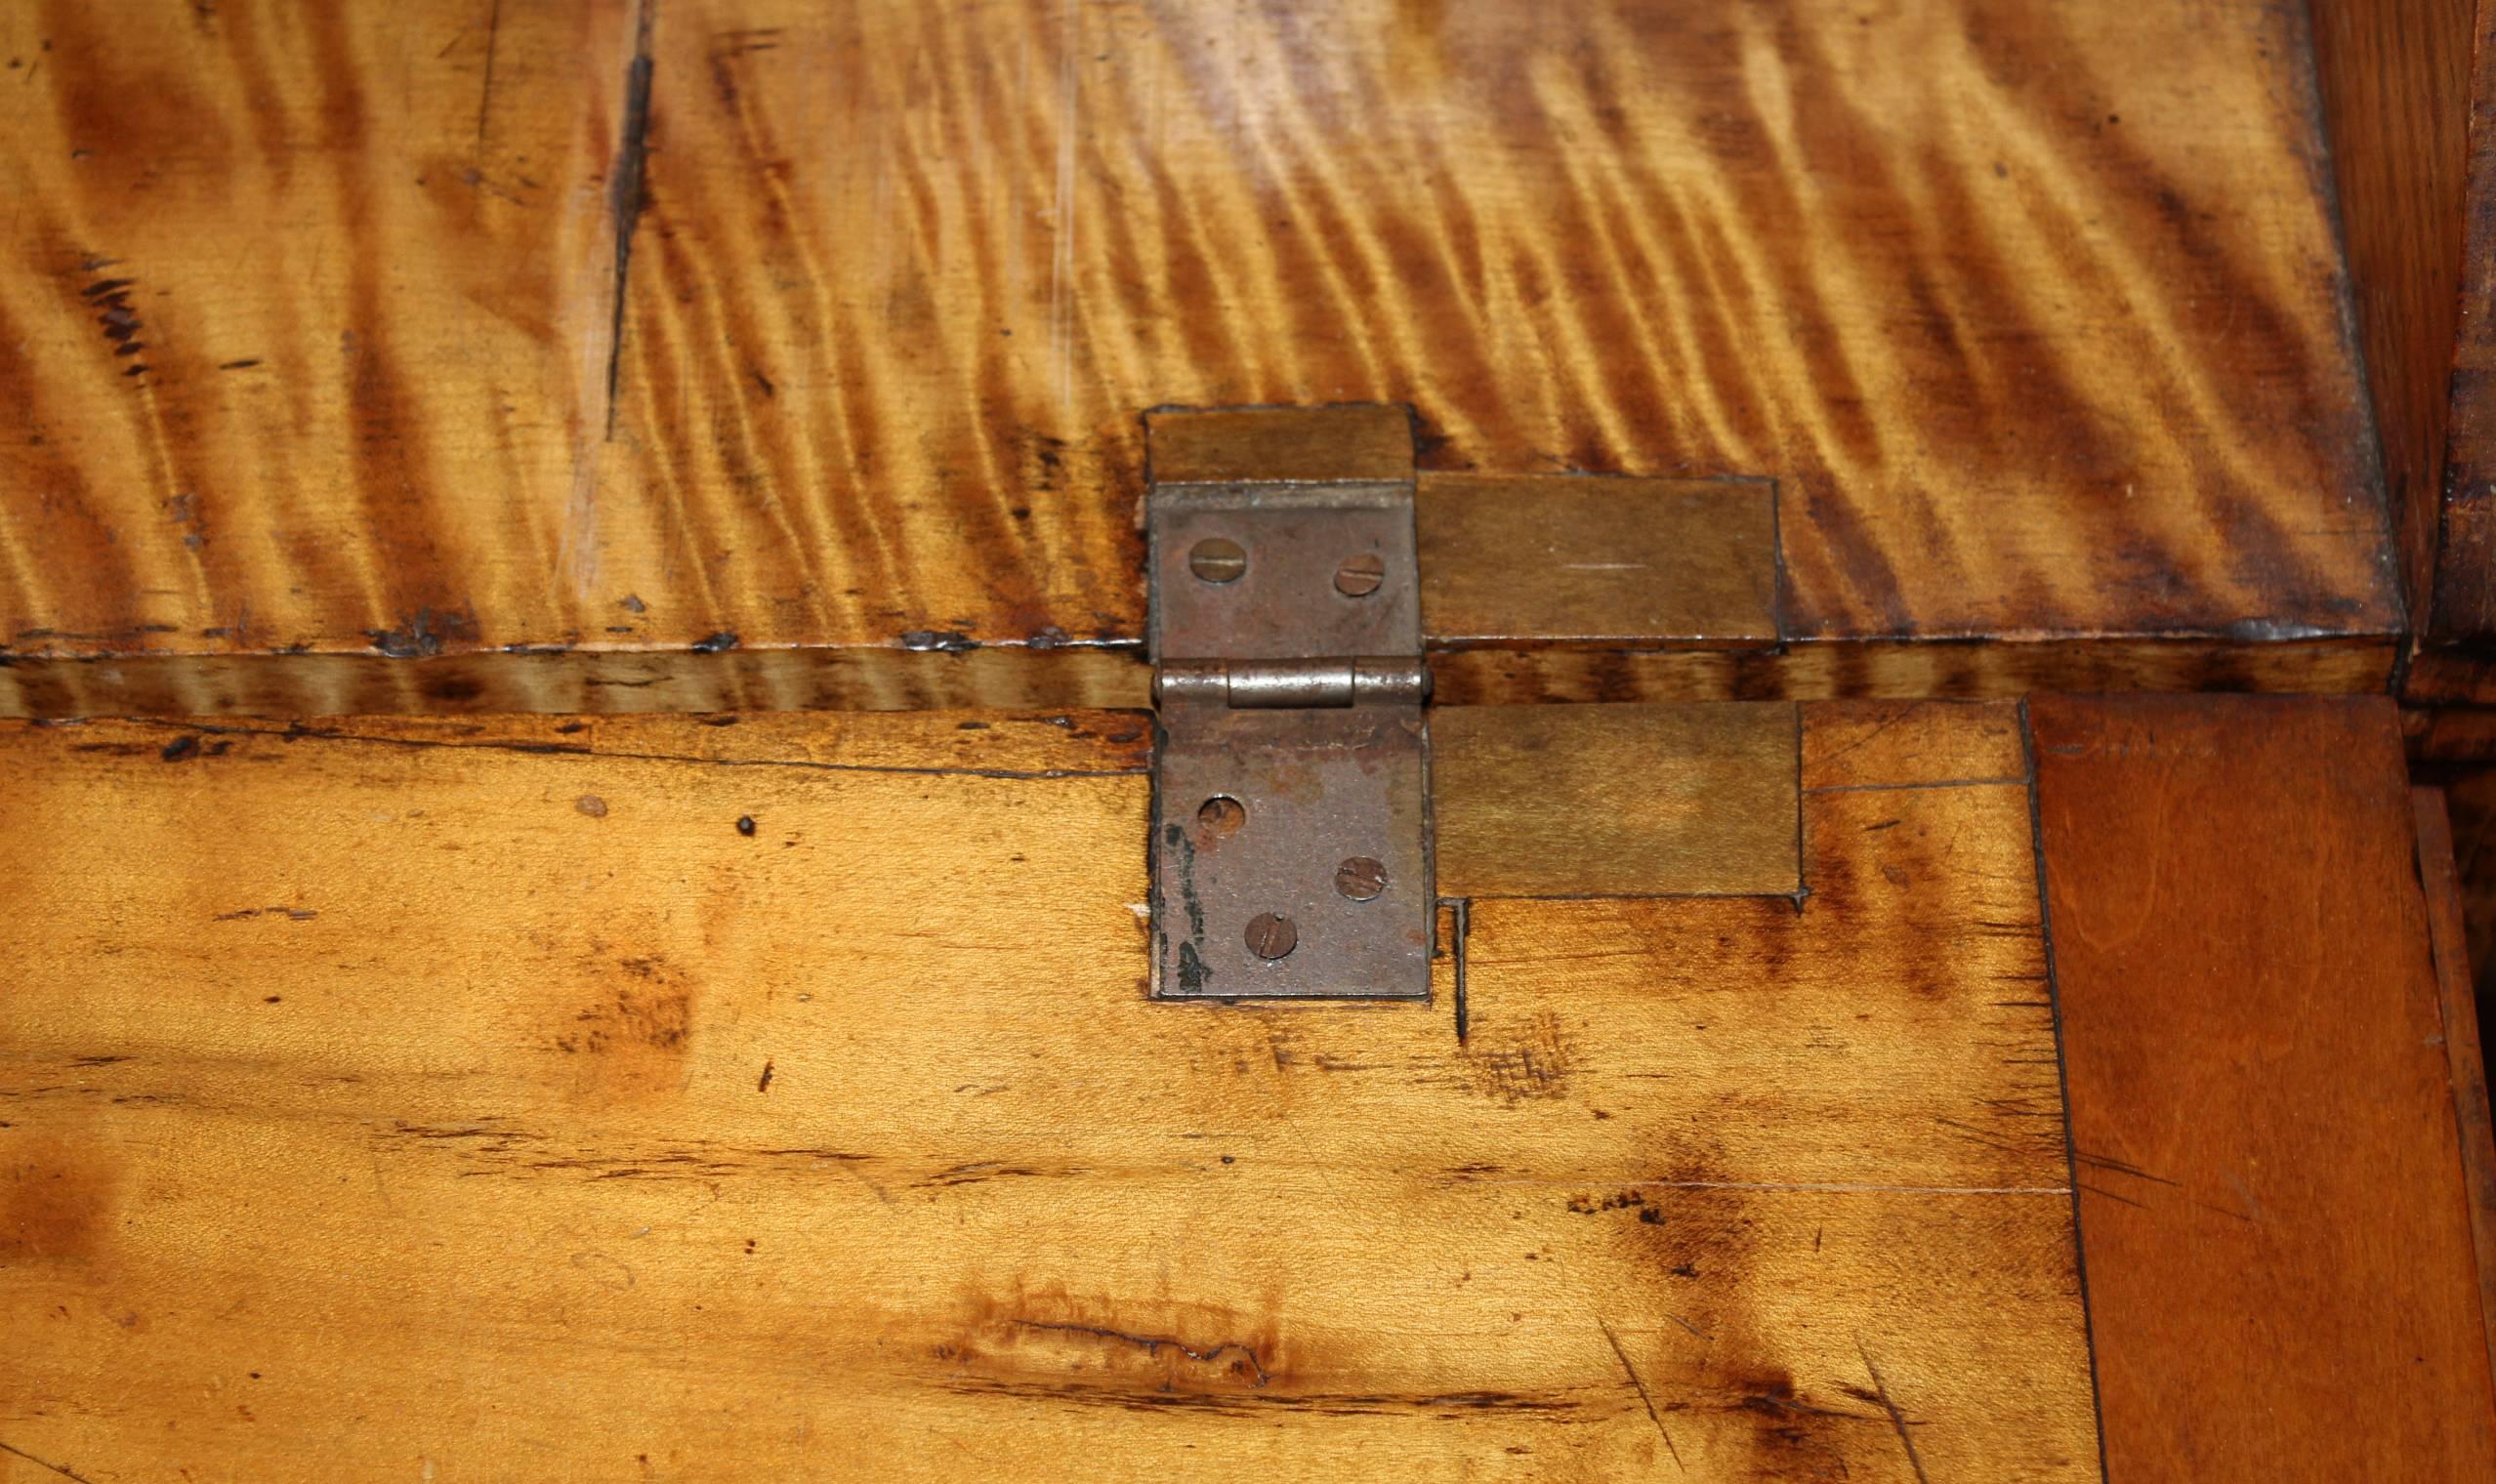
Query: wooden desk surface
[{"x": 478, "y": 1099}]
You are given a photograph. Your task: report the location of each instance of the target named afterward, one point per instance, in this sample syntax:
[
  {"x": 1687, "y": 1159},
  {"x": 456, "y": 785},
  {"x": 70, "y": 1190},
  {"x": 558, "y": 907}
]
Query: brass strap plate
[{"x": 1290, "y": 848}]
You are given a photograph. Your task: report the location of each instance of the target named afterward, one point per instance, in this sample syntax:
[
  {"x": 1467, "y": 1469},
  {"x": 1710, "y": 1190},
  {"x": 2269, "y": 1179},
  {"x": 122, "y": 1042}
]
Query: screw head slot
[
  {"x": 1272, "y": 936},
  {"x": 1217, "y": 559},
  {"x": 1359, "y": 576}
]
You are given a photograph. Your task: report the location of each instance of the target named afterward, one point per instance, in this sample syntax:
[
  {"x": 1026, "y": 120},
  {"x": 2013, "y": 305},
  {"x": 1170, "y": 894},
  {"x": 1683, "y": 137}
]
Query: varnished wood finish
[
  {"x": 305, "y": 320},
  {"x": 2276, "y": 1233},
  {"x": 2447, "y": 940},
  {"x": 2032, "y": 312},
  {"x": 472, "y": 1095},
  {"x": 1616, "y": 801}
]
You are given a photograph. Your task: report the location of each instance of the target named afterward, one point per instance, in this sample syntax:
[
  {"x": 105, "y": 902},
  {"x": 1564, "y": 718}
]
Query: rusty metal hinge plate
[{"x": 1290, "y": 842}]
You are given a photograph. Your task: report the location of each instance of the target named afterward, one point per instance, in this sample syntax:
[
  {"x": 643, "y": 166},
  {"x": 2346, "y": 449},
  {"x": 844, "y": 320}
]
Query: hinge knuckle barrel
[{"x": 1366, "y": 679}]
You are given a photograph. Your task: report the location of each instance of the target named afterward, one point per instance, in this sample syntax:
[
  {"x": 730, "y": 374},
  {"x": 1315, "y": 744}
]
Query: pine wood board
[
  {"x": 580, "y": 339},
  {"x": 471, "y": 1096}
]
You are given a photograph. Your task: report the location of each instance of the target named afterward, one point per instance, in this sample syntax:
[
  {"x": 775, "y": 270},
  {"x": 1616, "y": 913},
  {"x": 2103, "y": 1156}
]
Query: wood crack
[
  {"x": 1897, "y": 1419},
  {"x": 1644, "y": 1400},
  {"x": 61, "y": 1470}
]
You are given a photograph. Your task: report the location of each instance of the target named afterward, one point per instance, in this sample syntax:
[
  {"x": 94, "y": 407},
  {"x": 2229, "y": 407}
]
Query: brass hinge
[{"x": 1290, "y": 847}]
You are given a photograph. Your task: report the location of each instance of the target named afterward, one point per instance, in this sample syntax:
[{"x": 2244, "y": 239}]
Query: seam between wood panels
[
  {"x": 597, "y": 755},
  {"x": 2062, "y": 1075}
]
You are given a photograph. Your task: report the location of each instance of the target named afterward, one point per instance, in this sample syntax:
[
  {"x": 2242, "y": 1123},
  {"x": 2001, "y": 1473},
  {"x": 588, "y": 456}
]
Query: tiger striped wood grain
[
  {"x": 621, "y": 329},
  {"x": 304, "y": 312},
  {"x": 445, "y": 1097}
]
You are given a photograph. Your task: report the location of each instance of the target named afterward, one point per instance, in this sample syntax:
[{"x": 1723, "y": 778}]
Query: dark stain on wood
[
  {"x": 626, "y": 184},
  {"x": 423, "y": 636}
]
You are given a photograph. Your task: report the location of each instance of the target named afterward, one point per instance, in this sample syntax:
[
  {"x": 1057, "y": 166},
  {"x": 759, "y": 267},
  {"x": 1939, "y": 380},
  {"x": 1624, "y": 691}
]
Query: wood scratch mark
[
  {"x": 1643, "y": 1399},
  {"x": 1897, "y": 1419},
  {"x": 1978, "y": 1135},
  {"x": 61, "y": 1470},
  {"x": 2118, "y": 1166},
  {"x": 2112, "y": 1196},
  {"x": 485, "y": 96},
  {"x": 1868, "y": 736}
]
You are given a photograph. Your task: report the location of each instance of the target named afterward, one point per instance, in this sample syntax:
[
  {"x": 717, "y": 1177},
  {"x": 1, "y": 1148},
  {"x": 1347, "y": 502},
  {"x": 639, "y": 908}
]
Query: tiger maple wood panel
[
  {"x": 401, "y": 1096},
  {"x": 625, "y": 332}
]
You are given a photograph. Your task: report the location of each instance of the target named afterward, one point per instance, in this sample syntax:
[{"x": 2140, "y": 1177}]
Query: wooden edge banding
[
  {"x": 948, "y": 674},
  {"x": 959, "y": 671},
  {"x": 1907, "y": 669},
  {"x": 1359, "y": 441},
  {"x": 2449, "y": 944}
]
